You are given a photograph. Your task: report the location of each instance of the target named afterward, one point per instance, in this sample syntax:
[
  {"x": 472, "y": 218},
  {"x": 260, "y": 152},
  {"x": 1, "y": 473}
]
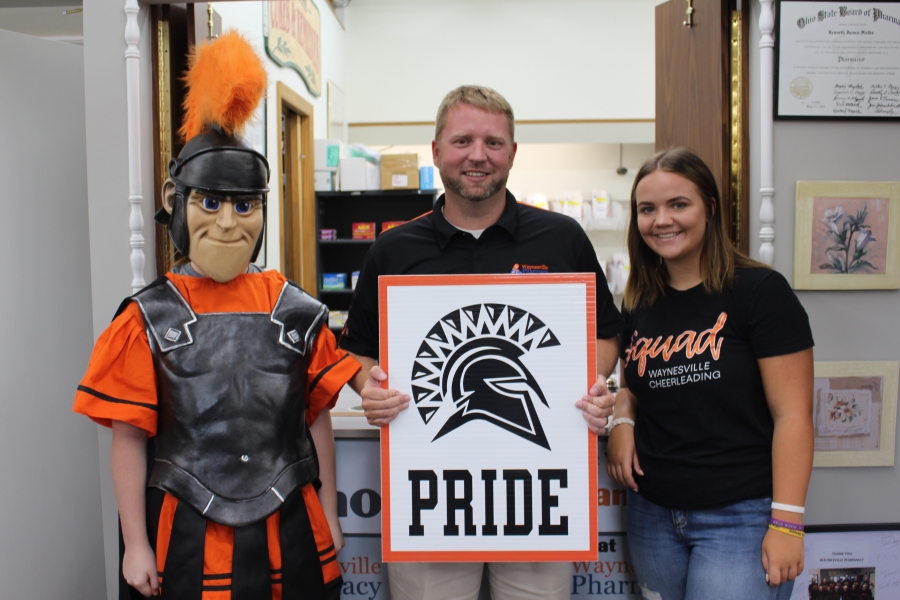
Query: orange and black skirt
[{"x": 288, "y": 556}]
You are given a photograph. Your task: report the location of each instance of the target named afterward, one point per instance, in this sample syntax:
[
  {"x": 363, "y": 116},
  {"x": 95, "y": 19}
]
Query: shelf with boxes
[
  {"x": 356, "y": 167},
  {"x": 348, "y": 224}
]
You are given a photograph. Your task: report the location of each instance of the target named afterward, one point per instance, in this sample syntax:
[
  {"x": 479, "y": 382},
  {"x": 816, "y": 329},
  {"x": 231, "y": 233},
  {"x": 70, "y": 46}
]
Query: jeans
[{"x": 712, "y": 554}]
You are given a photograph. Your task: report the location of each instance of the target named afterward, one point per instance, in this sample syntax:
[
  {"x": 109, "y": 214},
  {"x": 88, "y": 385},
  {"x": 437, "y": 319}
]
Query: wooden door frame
[
  {"x": 723, "y": 143},
  {"x": 740, "y": 125},
  {"x": 297, "y": 211}
]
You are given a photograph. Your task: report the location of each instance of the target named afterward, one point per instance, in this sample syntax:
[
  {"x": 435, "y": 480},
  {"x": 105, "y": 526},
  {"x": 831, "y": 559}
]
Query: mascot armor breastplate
[{"x": 232, "y": 439}]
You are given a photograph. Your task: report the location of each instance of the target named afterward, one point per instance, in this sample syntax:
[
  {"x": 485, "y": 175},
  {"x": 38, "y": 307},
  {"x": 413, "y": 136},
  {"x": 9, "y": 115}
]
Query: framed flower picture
[
  {"x": 855, "y": 413},
  {"x": 847, "y": 235}
]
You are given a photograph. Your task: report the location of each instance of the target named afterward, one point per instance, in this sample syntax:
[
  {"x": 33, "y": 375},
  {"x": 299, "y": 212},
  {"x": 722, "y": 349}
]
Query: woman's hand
[
  {"x": 782, "y": 557},
  {"x": 622, "y": 459}
]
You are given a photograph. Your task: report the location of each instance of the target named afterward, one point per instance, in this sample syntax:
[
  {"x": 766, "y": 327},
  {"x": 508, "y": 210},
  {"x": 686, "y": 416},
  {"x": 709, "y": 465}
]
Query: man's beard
[{"x": 457, "y": 186}]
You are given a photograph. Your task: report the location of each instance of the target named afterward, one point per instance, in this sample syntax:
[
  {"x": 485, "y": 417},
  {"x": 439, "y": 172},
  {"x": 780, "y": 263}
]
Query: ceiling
[
  {"x": 38, "y": 3},
  {"x": 44, "y": 21}
]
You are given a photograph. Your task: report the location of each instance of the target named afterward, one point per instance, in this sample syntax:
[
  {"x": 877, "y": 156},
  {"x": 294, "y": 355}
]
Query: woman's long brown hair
[{"x": 718, "y": 257}]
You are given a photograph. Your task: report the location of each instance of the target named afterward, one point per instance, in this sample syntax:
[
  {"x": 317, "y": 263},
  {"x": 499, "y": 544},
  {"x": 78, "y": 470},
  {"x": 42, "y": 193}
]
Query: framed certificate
[
  {"x": 491, "y": 461},
  {"x": 850, "y": 561},
  {"x": 838, "y": 60}
]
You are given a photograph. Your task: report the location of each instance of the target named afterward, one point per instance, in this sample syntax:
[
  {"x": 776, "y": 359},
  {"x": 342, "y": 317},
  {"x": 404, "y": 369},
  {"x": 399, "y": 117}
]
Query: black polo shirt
[{"x": 523, "y": 240}]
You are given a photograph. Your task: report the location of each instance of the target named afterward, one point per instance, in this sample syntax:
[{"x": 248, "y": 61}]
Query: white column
[
  {"x": 133, "y": 99},
  {"x": 766, "y": 132}
]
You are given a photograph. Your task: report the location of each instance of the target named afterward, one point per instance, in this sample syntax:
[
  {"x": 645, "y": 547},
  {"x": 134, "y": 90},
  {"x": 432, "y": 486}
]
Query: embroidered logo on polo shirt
[
  {"x": 523, "y": 268},
  {"x": 470, "y": 363}
]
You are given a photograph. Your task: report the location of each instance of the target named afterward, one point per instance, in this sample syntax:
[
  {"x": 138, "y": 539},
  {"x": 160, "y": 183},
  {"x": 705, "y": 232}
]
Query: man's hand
[
  {"x": 380, "y": 405},
  {"x": 597, "y": 406},
  {"x": 782, "y": 557},
  {"x": 139, "y": 569}
]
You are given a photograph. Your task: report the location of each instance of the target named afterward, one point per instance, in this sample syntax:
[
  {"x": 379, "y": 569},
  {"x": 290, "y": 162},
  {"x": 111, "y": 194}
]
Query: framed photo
[
  {"x": 855, "y": 413},
  {"x": 491, "y": 462},
  {"x": 847, "y": 235},
  {"x": 850, "y": 561},
  {"x": 837, "y": 60}
]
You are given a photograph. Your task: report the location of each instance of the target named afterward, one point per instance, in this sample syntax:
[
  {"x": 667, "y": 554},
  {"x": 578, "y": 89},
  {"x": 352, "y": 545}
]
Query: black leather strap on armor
[{"x": 167, "y": 320}]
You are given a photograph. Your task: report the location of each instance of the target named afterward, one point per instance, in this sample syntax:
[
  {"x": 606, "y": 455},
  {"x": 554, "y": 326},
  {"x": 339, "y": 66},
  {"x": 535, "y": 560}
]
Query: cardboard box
[
  {"x": 390, "y": 225},
  {"x": 325, "y": 181},
  {"x": 334, "y": 281},
  {"x": 357, "y": 174},
  {"x": 426, "y": 178},
  {"x": 328, "y": 155},
  {"x": 337, "y": 318},
  {"x": 373, "y": 177},
  {"x": 399, "y": 171},
  {"x": 363, "y": 231}
]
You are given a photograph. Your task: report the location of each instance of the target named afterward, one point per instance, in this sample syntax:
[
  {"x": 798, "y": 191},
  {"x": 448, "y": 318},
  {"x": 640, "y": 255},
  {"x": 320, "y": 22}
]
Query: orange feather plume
[{"x": 226, "y": 80}]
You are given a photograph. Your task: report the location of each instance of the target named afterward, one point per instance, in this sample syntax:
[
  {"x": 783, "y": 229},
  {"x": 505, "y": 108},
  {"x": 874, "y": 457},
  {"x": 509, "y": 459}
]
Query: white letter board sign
[{"x": 491, "y": 461}]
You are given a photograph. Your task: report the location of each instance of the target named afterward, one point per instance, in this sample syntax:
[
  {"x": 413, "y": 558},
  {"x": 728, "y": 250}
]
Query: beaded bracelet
[
  {"x": 798, "y": 534},
  {"x": 785, "y": 524},
  {"x": 613, "y": 423}
]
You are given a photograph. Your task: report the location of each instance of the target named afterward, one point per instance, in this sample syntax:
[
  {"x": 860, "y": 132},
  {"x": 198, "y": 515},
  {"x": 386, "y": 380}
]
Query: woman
[{"x": 713, "y": 421}]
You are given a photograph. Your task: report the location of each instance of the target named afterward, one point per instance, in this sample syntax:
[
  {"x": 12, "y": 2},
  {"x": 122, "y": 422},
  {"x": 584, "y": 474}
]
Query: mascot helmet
[{"x": 226, "y": 80}]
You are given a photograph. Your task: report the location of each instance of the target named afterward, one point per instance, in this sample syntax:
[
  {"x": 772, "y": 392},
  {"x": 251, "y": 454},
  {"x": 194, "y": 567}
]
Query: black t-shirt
[
  {"x": 523, "y": 240},
  {"x": 703, "y": 429}
]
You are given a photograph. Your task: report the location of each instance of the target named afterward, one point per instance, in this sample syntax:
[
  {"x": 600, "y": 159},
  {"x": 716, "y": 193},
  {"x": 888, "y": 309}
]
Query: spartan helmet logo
[{"x": 472, "y": 359}]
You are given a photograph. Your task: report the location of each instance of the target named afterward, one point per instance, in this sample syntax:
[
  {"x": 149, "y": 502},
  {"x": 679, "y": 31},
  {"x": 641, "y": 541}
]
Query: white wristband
[
  {"x": 616, "y": 422},
  {"x": 788, "y": 507}
]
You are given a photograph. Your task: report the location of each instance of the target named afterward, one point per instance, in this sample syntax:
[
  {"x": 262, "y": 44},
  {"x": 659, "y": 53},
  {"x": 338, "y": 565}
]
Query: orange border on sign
[{"x": 388, "y": 555}]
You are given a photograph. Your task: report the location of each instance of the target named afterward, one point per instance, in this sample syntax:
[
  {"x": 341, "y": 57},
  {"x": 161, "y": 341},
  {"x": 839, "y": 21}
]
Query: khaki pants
[{"x": 462, "y": 581}]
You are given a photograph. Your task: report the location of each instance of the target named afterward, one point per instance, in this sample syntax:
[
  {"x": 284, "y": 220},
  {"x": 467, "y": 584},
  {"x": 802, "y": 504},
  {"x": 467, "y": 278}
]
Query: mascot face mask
[
  {"x": 214, "y": 200},
  {"x": 223, "y": 232}
]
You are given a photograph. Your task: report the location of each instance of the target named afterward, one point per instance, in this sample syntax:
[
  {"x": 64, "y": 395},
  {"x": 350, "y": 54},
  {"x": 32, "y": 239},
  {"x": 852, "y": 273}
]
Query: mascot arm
[{"x": 323, "y": 438}]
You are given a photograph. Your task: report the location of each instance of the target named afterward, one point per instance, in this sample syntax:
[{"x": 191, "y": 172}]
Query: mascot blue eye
[
  {"x": 211, "y": 204},
  {"x": 242, "y": 208}
]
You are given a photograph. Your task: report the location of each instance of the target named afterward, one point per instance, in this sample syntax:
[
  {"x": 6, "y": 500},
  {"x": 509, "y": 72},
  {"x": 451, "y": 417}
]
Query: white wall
[
  {"x": 247, "y": 18},
  {"x": 847, "y": 326},
  {"x": 557, "y": 168},
  {"x": 51, "y": 543},
  {"x": 107, "y": 177},
  {"x": 565, "y": 59}
]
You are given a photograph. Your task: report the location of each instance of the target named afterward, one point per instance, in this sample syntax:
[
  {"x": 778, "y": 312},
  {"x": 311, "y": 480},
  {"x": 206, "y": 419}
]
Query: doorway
[
  {"x": 701, "y": 95},
  {"x": 295, "y": 176}
]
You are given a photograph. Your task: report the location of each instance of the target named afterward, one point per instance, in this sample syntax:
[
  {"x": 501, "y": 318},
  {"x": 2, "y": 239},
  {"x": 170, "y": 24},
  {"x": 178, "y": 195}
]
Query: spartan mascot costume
[{"x": 229, "y": 372}]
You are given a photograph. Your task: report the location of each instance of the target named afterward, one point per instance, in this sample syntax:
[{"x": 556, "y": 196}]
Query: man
[
  {"x": 476, "y": 227},
  {"x": 230, "y": 372}
]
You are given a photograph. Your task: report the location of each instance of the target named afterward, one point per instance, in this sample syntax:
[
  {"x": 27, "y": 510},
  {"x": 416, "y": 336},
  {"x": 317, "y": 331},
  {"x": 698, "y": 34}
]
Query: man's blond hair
[{"x": 480, "y": 97}]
